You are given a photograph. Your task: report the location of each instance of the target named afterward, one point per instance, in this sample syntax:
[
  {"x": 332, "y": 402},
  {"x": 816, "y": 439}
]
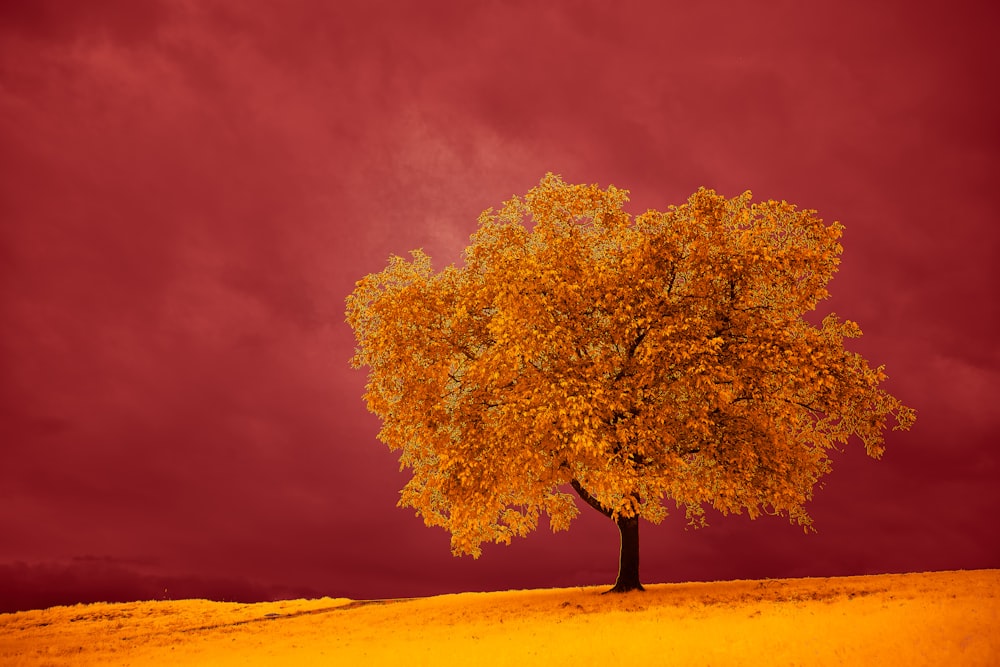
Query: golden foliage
[{"x": 646, "y": 359}]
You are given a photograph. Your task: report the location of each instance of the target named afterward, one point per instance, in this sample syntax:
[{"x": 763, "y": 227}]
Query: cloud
[{"x": 191, "y": 189}]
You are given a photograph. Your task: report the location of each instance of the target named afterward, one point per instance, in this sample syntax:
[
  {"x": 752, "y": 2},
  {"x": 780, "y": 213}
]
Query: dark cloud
[
  {"x": 118, "y": 21},
  {"x": 190, "y": 190}
]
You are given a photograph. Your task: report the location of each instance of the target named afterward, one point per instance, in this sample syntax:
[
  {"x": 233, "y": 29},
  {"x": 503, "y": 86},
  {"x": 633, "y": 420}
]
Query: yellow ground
[{"x": 936, "y": 618}]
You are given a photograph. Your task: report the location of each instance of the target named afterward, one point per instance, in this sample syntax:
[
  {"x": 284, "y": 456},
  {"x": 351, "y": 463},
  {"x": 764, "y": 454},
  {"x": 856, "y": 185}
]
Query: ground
[{"x": 933, "y": 618}]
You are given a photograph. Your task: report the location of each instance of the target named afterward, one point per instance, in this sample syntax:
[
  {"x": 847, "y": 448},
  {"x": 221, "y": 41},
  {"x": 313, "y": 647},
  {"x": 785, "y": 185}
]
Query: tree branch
[{"x": 589, "y": 499}]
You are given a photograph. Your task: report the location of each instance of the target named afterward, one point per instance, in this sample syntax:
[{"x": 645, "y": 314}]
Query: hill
[{"x": 932, "y": 618}]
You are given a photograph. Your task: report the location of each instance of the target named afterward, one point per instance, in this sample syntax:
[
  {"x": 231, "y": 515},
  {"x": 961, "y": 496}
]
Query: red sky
[{"x": 190, "y": 189}]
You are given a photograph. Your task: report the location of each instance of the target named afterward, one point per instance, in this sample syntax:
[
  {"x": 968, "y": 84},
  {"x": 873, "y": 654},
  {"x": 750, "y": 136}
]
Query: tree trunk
[{"x": 628, "y": 557}]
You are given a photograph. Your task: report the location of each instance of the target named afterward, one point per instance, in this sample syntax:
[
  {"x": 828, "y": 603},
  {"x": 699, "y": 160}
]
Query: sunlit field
[{"x": 936, "y": 618}]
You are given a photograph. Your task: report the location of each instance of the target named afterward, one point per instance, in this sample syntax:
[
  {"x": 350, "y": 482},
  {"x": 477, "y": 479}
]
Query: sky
[{"x": 190, "y": 189}]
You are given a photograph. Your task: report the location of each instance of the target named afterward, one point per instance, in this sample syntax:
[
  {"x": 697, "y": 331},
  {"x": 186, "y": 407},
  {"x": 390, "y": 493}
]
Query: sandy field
[{"x": 933, "y": 618}]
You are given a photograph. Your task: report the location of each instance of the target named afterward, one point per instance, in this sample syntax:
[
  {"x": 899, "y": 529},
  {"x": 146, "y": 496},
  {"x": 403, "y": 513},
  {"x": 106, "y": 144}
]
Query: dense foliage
[{"x": 637, "y": 360}]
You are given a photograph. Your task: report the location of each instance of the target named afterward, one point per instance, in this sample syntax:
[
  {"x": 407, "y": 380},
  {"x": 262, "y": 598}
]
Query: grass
[{"x": 934, "y": 618}]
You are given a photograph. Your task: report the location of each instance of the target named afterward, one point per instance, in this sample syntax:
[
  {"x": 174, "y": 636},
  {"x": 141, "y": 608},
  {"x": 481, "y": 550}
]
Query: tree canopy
[{"x": 642, "y": 362}]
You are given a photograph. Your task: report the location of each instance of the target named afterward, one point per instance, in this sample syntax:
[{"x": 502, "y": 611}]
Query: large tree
[{"x": 634, "y": 361}]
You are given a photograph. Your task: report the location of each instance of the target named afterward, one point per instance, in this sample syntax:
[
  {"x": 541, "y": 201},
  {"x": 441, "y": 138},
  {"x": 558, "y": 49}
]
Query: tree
[{"x": 632, "y": 360}]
